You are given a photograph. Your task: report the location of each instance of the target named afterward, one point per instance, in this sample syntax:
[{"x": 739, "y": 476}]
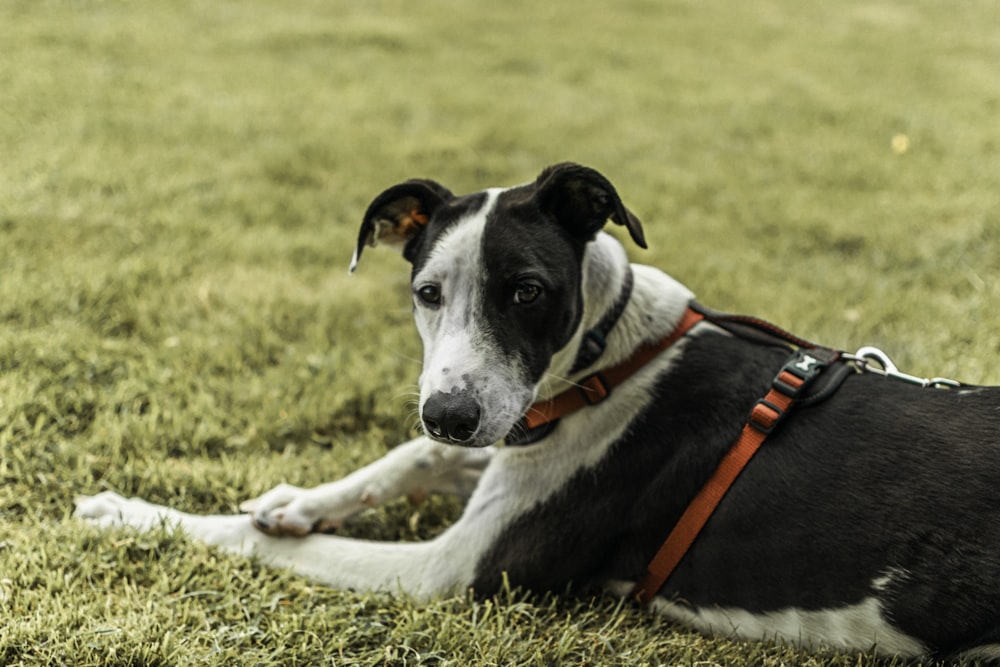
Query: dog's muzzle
[{"x": 451, "y": 417}]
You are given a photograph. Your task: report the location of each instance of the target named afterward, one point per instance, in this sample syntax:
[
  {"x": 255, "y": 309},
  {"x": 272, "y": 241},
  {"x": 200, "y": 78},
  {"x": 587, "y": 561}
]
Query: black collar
[{"x": 596, "y": 339}]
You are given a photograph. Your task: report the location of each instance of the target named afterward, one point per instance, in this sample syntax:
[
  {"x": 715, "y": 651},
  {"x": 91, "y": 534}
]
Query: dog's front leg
[
  {"x": 415, "y": 469},
  {"x": 414, "y": 568}
]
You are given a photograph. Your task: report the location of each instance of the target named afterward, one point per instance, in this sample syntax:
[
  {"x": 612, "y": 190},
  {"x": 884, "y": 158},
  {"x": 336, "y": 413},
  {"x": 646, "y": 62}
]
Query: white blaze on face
[{"x": 459, "y": 352}]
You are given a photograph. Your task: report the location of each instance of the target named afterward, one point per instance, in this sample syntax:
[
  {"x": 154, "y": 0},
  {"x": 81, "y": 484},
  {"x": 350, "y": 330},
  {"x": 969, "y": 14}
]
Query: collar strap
[
  {"x": 595, "y": 340},
  {"x": 596, "y": 387}
]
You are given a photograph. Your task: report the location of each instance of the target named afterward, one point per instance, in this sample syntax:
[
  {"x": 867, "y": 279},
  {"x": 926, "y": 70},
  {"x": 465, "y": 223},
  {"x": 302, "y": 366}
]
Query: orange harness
[{"x": 805, "y": 364}]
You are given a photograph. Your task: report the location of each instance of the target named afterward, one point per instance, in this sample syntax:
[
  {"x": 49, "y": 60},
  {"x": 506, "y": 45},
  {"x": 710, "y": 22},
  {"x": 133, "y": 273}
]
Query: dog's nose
[{"x": 453, "y": 417}]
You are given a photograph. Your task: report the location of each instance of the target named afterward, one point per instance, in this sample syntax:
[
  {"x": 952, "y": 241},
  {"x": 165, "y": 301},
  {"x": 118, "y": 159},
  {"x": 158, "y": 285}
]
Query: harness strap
[{"x": 804, "y": 366}]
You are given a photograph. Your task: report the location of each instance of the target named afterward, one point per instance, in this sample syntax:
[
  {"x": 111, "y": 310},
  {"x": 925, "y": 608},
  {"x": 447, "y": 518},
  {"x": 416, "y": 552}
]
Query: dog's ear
[
  {"x": 399, "y": 214},
  {"x": 583, "y": 200}
]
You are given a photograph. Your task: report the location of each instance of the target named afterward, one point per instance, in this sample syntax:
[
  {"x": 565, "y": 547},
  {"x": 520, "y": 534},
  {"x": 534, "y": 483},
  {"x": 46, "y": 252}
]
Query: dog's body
[{"x": 869, "y": 520}]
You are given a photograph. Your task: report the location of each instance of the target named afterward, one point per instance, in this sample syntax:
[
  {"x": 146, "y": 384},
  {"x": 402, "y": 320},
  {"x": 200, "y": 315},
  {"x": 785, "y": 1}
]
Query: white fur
[
  {"x": 457, "y": 354},
  {"x": 862, "y": 625},
  {"x": 416, "y": 468},
  {"x": 849, "y": 627},
  {"x": 989, "y": 653}
]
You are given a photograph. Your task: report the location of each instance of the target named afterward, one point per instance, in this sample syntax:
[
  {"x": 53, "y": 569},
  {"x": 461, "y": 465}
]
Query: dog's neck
[{"x": 656, "y": 306}]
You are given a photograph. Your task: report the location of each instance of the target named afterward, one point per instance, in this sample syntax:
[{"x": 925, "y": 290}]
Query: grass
[{"x": 180, "y": 188}]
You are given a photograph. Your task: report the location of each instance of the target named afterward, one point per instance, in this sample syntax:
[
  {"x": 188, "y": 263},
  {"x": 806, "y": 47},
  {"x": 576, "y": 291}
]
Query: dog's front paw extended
[
  {"x": 291, "y": 510},
  {"x": 108, "y": 509}
]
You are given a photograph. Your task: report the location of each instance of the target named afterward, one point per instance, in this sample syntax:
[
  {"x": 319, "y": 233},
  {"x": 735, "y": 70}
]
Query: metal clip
[{"x": 868, "y": 354}]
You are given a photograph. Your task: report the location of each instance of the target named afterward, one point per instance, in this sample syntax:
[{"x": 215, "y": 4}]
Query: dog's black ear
[
  {"x": 583, "y": 200},
  {"x": 399, "y": 214}
]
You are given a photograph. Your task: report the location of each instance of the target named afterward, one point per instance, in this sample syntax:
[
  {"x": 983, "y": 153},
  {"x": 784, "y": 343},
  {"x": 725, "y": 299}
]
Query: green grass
[{"x": 180, "y": 189}]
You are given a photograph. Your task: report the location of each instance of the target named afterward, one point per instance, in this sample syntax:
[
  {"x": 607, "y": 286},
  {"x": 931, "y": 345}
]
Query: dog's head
[{"x": 496, "y": 284}]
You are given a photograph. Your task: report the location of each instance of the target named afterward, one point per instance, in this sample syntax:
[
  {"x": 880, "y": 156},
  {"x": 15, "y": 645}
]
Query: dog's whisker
[
  {"x": 406, "y": 394},
  {"x": 409, "y": 359},
  {"x": 533, "y": 410},
  {"x": 412, "y": 421},
  {"x": 564, "y": 380}
]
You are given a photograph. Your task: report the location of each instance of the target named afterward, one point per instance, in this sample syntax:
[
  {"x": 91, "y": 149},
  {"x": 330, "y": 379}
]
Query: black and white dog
[{"x": 870, "y": 519}]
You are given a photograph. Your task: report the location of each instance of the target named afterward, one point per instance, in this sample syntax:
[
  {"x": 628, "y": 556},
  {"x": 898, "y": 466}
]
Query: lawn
[{"x": 180, "y": 189}]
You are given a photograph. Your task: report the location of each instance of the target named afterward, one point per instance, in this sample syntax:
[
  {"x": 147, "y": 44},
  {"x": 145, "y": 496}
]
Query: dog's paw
[
  {"x": 108, "y": 509},
  {"x": 291, "y": 510}
]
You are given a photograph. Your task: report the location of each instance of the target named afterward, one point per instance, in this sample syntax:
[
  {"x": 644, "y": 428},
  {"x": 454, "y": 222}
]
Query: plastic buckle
[
  {"x": 803, "y": 367},
  {"x": 593, "y": 345},
  {"x": 594, "y": 388},
  {"x": 788, "y": 382},
  {"x": 765, "y": 416}
]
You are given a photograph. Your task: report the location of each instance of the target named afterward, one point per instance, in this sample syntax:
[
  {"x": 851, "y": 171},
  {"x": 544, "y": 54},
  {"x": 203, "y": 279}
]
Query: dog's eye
[
  {"x": 526, "y": 292},
  {"x": 429, "y": 295}
]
